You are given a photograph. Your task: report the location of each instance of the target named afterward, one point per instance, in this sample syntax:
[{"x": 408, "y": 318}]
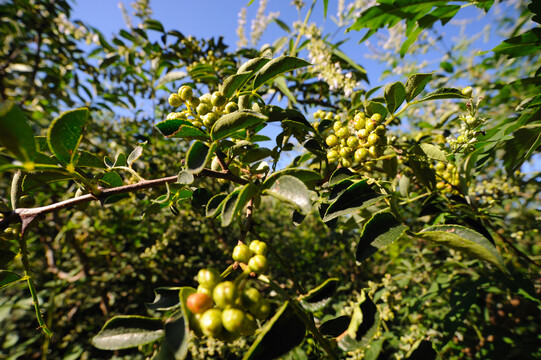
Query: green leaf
[
  {"x": 292, "y": 190},
  {"x": 215, "y": 205},
  {"x": 38, "y": 179},
  {"x": 306, "y": 176},
  {"x": 112, "y": 179},
  {"x": 363, "y": 326},
  {"x": 433, "y": 152},
  {"x": 276, "y": 67},
  {"x": 524, "y": 44},
  {"x": 380, "y": 231},
  {"x": 198, "y": 156},
  {"x": 5, "y": 257},
  {"x": 152, "y": 24},
  {"x": 87, "y": 159},
  {"x": 8, "y": 278},
  {"x": 394, "y": 96},
  {"x": 134, "y": 155},
  {"x": 357, "y": 196},
  {"x": 235, "y": 121},
  {"x": 465, "y": 240},
  {"x": 336, "y": 326},
  {"x": 253, "y": 65},
  {"x": 339, "y": 175},
  {"x": 178, "y": 128},
  {"x": 125, "y": 331},
  {"x": 256, "y": 154},
  {"x": 422, "y": 350},
  {"x": 166, "y": 298},
  {"x": 281, "y": 84},
  {"x": 316, "y": 299},
  {"x": 185, "y": 177},
  {"x": 235, "y": 82},
  {"x": 175, "y": 344},
  {"x": 279, "y": 335},
  {"x": 16, "y": 135},
  {"x": 416, "y": 84},
  {"x": 444, "y": 93},
  {"x": 65, "y": 134},
  {"x": 376, "y": 108},
  {"x": 236, "y": 201}
]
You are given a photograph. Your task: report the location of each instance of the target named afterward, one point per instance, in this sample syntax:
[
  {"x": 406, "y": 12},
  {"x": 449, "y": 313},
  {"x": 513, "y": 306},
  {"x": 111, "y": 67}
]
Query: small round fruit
[
  {"x": 199, "y": 302},
  {"x": 250, "y": 296},
  {"x": 175, "y": 100},
  {"x": 359, "y": 121},
  {"x": 261, "y": 310},
  {"x": 193, "y": 321},
  {"x": 185, "y": 92},
  {"x": 203, "y": 109},
  {"x": 360, "y": 154},
  {"x": 343, "y": 133},
  {"x": 218, "y": 99},
  {"x": 258, "y": 264},
  {"x": 194, "y": 102},
  {"x": 211, "y": 322},
  {"x": 372, "y": 139},
  {"x": 375, "y": 151},
  {"x": 375, "y": 118},
  {"x": 332, "y": 140},
  {"x": 206, "y": 98},
  {"x": 345, "y": 151},
  {"x": 380, "y": 130},
  {"x": 242, "y": 253},
  {"x": 208, "y": 277},
  {"x": 225, "y": 294},
  {"x": 209, "y": 119},
  {"x": 205, "y": 290},
  {"x": 232, "y": 319},
  {"x": 467, "y": 91},
  {"x": 370, "y": 126},
  {"x": 259, "y": 247},
  {"x": 346, "y": 162},
  {"x": 249, "y": 326},
  {"x": 353, "y": 141},
  {"x": 337, "y": 126},
  {"x": 332, "y": 155},
  {"x": 231, "y": 107},
  {"x": 369, "y": 166}
]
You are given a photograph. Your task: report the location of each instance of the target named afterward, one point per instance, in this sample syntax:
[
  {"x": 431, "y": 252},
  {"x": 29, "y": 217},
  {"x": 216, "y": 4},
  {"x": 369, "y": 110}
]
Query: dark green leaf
[
  {"x": 281, "y": 84},
  {"x": 256, "y": 154},
  {"x": 357, "y": 196},
  {"x": 253, "y": 65},
  {"x": 376, "y": 108},
  {"x": 122, "y": 332},
  {"x": 5, "y": 257},
  {"x": 524, "y": 44},
  {"x": 447, "y": 66},
  {"x": 235, "y": 82},
  {"x": 363, "y": 327},
  {"x": 166, "y": 298},
  {"x": 282, "y": 24},
  {"x": 175, "y": 344},
  {"x": 394, "y": 96},
  {"x": 86, "y": 159},
  {"x": 38, "y": 179},
  {"x": 112, "y": 179},
  {"x": 306, "y": 176},
  {"x": 279, "y": 335},
  {"x": 7, "y": 278},
  {"x": 65, "y": 134},
  {"x": 238, "y": 120},
  {"x": 198, "y": 156},
  {"x": 236, "y": 201},
  {"x": 316, "y": 299},
  {"x": 276, "y": 67},
  {"x": 380, "y": 231},
  {"x": 16, "y": 135},
  {"x": 339, "y": 175},
  {"x": 416, "y": 84},
  {"x": 152, "y": 24},
  {"x": 422, "y": 351},
  {"x": 444, "y": 93},
  {"x": 177, "y": 128},
  {"x": 292, "y": 190},
  {"x": 335, "y": 327},
  {"x": 465, "y": 240},
  {"x": 215, "y": 205}
]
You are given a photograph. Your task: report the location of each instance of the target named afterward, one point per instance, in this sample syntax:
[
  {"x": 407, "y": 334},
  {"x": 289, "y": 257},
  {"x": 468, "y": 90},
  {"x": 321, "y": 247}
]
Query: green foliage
[{"x": 371, "y": 243}]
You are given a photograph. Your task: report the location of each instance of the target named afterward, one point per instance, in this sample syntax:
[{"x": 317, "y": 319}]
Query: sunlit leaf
[
  {"x": 357, "y": 196},
  {"x": 316, "y": 299},
  {"x": 231, "y": 123},
  {"x": 65, "y": 133},
  {"x": 291, "y": 190},
  {"x": 122, "y": 332},
  {"x": 16, "y": 135},
  {"x": 276, "y": 67},
  {"x": 416, "y": 84}
]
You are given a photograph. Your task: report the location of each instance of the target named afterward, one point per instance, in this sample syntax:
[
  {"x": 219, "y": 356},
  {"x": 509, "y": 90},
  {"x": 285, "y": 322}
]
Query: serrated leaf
[
  {"x": 215, "y": 204},
  {"x": 7, "y": 278},
  {"x": 235, "y": 82},
  {"x": 87, "y": 159},
  {"x": 16, "y": 135},
  {"x": 198, "y": 156},
  {"x": 380, "y": 231},
  {"x": 433, "y": 152},
  {"x": 236, "y": 201},
  {"x": 316, "y": 299},
  {"x": 443, "y": 93},
  {"x": 339, "y": 175},
  {"x": 177, "y": 128},
  {"x": 465, "y": 240},
  {"x": 166, "y": 298},
  {"x": 394, "y": 96},
  {"x": 363, "y": 326},
  {"x": 376, "y": 108},
  {"x": 276, "y": 67},
  {"x": 281, "y": 333},
  {"x": 291, "y": 190},
  {"x": 65, "y": 134},
  {"x": 127, "y": 331},
  {"x": 416, "y": 84},
  {"x": 253, "y": 65},
  {"x": 357, "y": 196},
  {"x": 235, "y": 121}
]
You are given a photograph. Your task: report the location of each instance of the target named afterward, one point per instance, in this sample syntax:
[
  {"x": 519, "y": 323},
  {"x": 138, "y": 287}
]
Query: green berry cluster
[
  {"x": 447, "y": 176},
  {"x": 357, "y": 142},
  {"x": 226, "y": 310},
  {"x": 201, "y": 111}
]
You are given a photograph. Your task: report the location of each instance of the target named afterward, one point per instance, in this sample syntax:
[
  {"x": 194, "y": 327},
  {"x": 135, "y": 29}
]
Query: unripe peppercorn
[
  {"x": 194, "y": 102},
  {"x": 175, "y": 100},
  {"x": 185, "y": 92},
  {"x": 258, "y": 264},
  {"x": 211, "y": 322},
  {"x": 231, "y": 107},
  {"x": 359, "y": 121},
  {"x": 360, "y": 154},
  {"x": 346, "y": 162},
  {"x": 225, "y": 294},
  {"x": 363, "y": 133},
  {"x": 242, "y": 253},
  {"x": 332, "y": 140},
  {"x": 376, "y": 118},
  {"x": 218, "y": 99},
  {"x": 372, "y": 139},
  {"x": 261, "y": 310},
  {"x": 209, "y": 119},
  {"x": 345, "y": 151},
  {"x": 332, "y": 155},
  {"x": 370, "y": 126},
  {"x": 206, "y": 98},
  {"x": 233, "y": 319},
  {"x": 203, "y": 109},
  {"x": 353, "y": 141},
  {"x": 259, "y": 247},
  {"x": 380, "y": 130},
  {"x": 337, "y": 126},
  {"x": 208, "y": 277},
  {"x": 375, "y": 151},
  {"x": 343, "y": 133}
]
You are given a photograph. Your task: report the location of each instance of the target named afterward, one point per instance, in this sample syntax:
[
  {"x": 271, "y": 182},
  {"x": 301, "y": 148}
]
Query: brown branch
[{"x": 26, "y": 216}]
